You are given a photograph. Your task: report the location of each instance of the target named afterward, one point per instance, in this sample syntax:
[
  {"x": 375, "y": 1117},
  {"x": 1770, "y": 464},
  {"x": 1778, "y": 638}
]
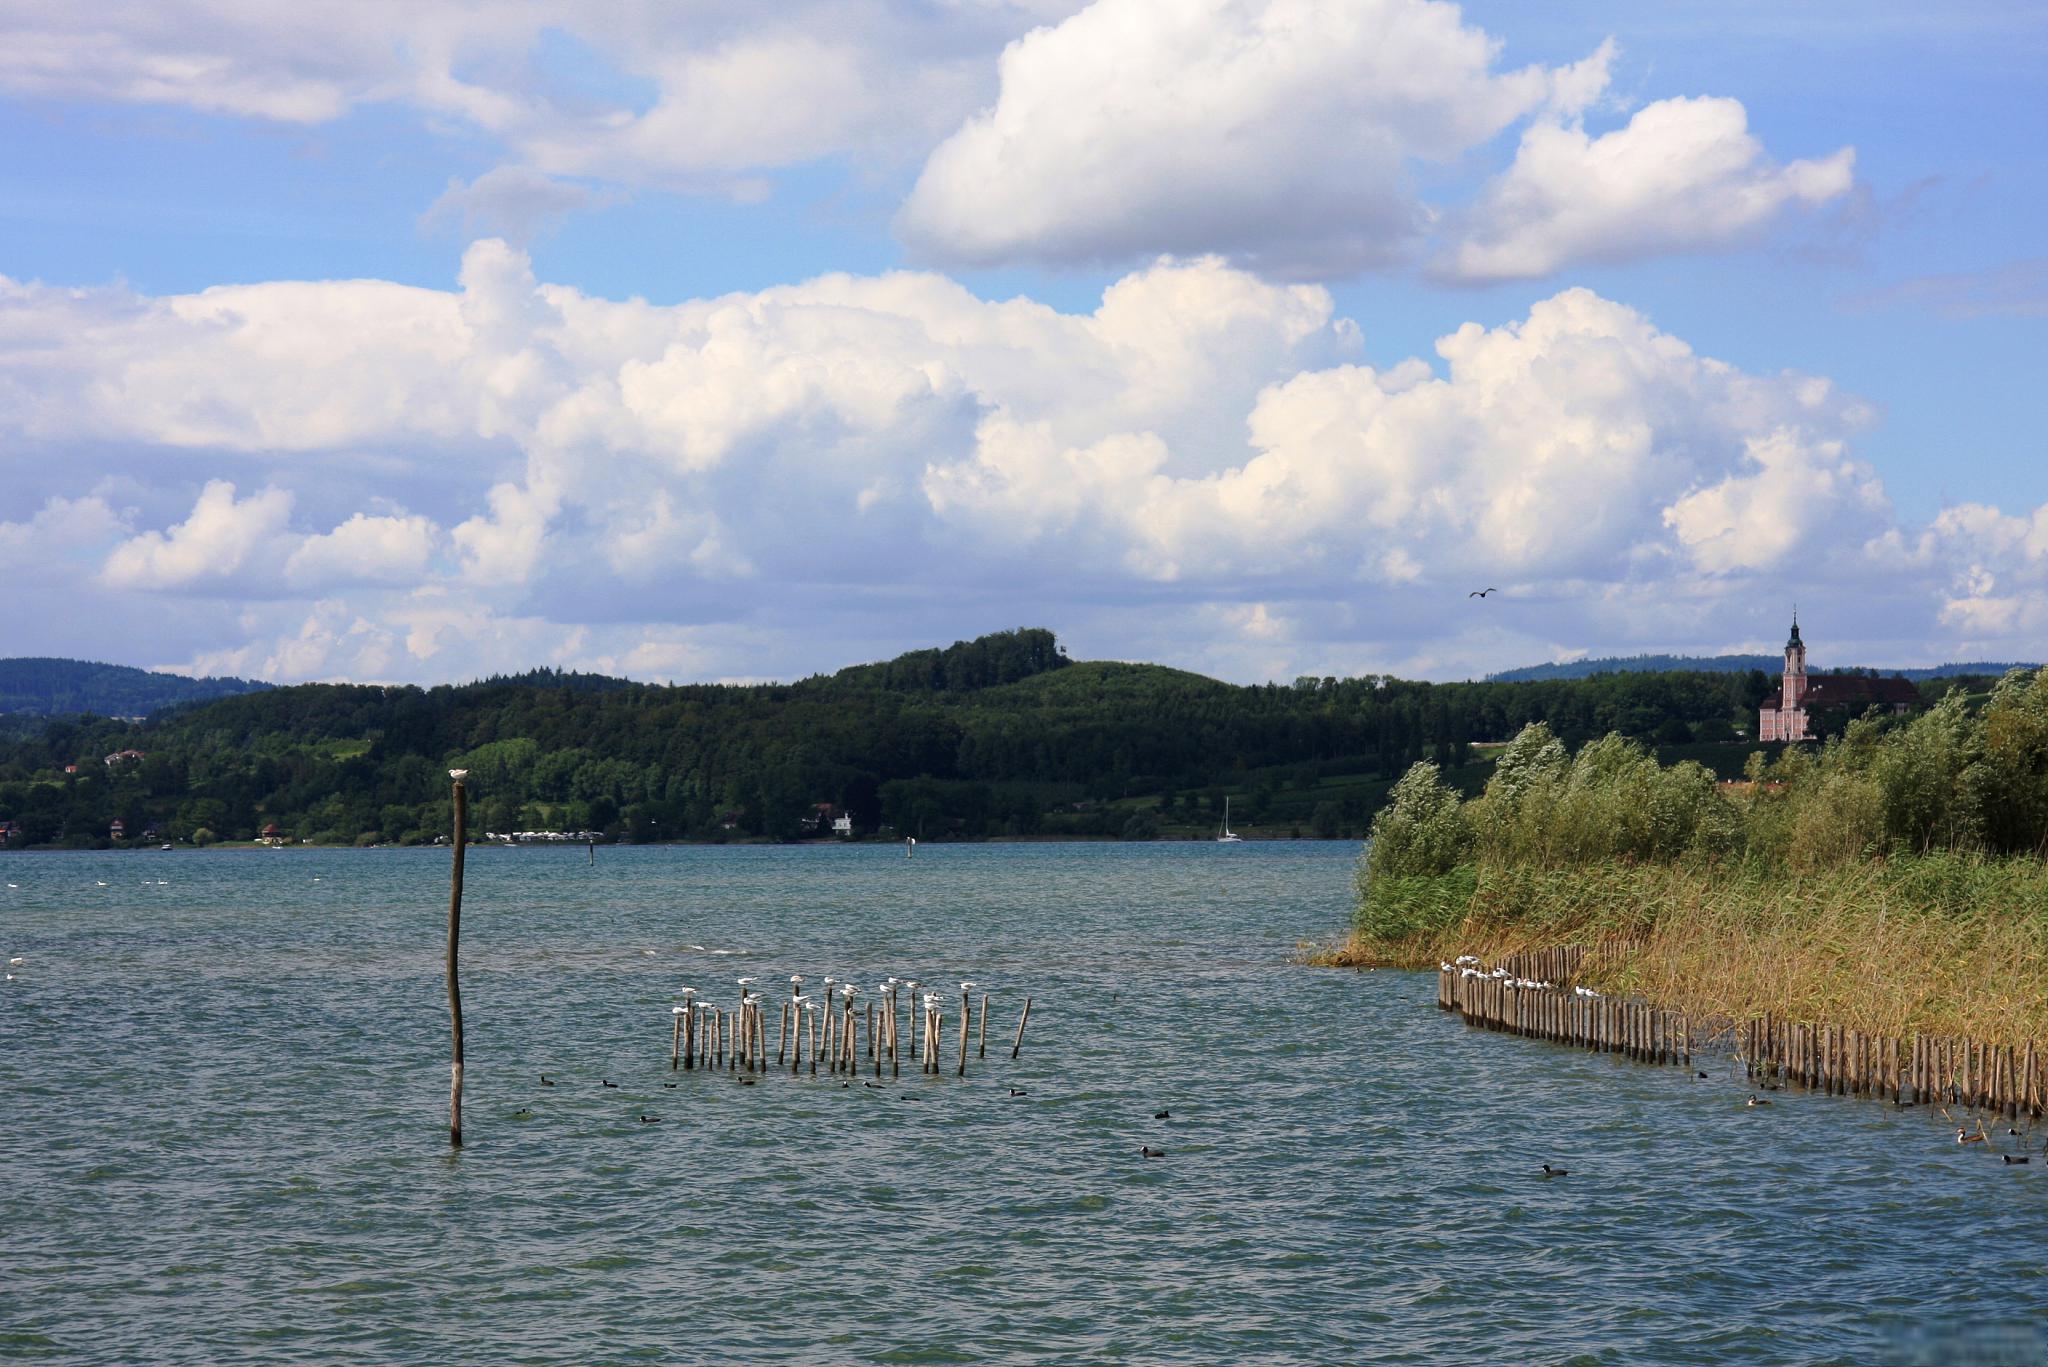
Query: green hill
[
  {"x": 1716, "y": 664},
  {"x": 49, "y": 688},
  {"x": 1002, "y": 736}
]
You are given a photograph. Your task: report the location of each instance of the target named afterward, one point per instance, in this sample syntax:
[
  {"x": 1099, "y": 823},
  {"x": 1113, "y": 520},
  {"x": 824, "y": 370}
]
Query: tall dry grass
[{"x": 1940, "y": 943}]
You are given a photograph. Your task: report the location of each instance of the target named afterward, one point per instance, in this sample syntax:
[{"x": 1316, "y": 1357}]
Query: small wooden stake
[
  {"x": 1022, "y": 1021},
  {"x": 981, "y": 1024}
]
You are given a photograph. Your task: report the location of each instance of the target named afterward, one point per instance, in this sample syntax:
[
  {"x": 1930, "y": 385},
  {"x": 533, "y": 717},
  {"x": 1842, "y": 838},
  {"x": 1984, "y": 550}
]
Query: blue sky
[{"x": 396, "y": 341}]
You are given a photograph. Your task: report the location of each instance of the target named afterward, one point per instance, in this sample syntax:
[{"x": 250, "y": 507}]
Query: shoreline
[{"x": 250, "y": 846}]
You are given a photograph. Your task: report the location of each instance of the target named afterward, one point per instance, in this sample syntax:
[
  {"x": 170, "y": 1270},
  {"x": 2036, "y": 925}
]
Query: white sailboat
[{"x": 1226, "y": 836}]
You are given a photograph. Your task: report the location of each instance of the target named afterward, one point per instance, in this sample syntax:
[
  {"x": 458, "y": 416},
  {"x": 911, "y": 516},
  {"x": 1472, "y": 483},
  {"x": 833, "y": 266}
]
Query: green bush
[
  {"x": 1954, "y": 786},
  {"x": 1421, "y": 830}
]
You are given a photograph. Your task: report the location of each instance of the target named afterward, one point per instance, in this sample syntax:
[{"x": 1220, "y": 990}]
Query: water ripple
[{"x": 221, "y": 1104}]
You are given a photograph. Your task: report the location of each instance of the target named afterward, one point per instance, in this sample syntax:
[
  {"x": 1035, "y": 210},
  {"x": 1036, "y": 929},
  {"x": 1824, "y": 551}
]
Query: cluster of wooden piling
[
  {"x": 1924, "y": 1068},
  {"x": 840, "y": 1028},
  {"x": 1544, "y": 1006}
]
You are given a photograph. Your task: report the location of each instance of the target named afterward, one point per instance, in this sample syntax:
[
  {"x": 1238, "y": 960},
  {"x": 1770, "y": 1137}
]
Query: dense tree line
[{"x": 1001, "y": 735}]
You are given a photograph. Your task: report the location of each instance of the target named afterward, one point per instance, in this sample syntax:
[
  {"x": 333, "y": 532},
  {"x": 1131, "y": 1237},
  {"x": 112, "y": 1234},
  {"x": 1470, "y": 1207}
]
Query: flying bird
[{"x": 1481, "y": 593}]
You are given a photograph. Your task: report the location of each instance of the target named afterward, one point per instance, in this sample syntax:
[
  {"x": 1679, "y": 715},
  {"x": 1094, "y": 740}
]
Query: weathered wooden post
[
  {"x": 981, "y": 1025},
  {"x": 675, "y": 1048},
  {"x": 915, "y": 1003},
  {"x": 962, "y": 1070},
  {"x": 454, "y": 938},
  {"x": 1022, "y": 1021}
]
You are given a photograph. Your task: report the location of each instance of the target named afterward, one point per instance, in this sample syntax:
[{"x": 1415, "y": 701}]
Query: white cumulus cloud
[
  {"x": 364, "y": 549},
  {"x": 222, "y": 535},
  {"x": 1683, "y": 175},
  {"x": 1276, "y": 132}
]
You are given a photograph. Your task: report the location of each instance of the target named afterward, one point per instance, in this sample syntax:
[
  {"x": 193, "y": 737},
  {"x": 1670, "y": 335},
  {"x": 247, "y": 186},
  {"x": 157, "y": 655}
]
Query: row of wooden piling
[
  {"x": 845, "y": 1036},
  {"x": 1923, "y": 1068},
  {"x": 1636, "y": 1030},
  {"x": 2000, "y": 1078}
]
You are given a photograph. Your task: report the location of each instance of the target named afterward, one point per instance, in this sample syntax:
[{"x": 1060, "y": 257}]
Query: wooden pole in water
[
  {"x": 831, "y": 1010},
  {"x": 675, "y": 1047},
  {"x": 1022, "y": 1021},
  {"x": 454, "y": 937},
  {"x": 895, "y": 1063},
  {"x": 981, "y": 1023},
  {"x": 961, "y": 1071}
]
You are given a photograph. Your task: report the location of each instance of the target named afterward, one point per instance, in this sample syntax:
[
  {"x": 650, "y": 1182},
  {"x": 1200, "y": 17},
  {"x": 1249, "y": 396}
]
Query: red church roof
[{"x": 1858, "y": 690}]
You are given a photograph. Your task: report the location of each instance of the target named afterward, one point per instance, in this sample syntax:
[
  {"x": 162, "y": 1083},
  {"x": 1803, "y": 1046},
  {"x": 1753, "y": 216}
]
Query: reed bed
[{"x": 1938, "y": 944}]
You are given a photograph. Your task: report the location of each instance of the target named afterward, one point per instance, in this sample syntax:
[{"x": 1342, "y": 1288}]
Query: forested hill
[
  {"x": 48, "y": 687},
  {"x": 999, "y": 736},
  {"x": 1729, "y": 664}
]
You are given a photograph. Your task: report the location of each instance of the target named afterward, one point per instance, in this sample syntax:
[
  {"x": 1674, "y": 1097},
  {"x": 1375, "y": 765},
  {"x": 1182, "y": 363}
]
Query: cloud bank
[{"x": 1201, "y": 469}]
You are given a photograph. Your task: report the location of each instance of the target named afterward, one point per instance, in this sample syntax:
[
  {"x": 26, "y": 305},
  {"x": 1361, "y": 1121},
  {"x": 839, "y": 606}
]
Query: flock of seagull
[{"x": 1468, "y": 966}]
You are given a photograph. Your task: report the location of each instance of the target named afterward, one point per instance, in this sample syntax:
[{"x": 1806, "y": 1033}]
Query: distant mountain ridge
[
  {"x": 1723, "y": 664},
  {"x": 44, "y": 687}
]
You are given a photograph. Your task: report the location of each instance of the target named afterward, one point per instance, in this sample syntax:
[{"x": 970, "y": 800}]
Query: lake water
[{"x": 223, "y": 1101}]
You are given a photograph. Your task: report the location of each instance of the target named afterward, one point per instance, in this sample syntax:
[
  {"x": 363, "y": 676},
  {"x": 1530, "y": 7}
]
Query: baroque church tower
[
  {"x": 1795, "y": 669},
  {"x": 1786, "y": 719}
]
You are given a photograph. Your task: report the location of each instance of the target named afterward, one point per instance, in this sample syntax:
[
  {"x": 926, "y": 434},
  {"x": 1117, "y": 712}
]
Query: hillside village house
[
  {"x": 123, "y": 757},
  {"x": 1802, "y": 694}
]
